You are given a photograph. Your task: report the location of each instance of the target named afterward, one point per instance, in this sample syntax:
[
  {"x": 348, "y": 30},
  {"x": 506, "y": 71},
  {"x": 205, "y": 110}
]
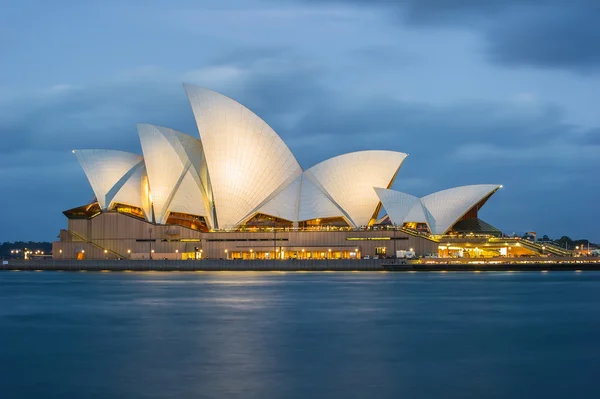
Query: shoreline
[{"x": 372, "y": 265}]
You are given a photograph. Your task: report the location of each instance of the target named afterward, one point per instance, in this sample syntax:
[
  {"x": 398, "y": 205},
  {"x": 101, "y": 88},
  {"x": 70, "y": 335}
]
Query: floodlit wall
[{"x": 119, "y": 233}]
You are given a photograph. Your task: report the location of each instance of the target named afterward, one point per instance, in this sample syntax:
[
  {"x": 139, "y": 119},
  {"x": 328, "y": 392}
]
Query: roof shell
[
  {"x": 349, "y": 180},
  {"x": 107, "y": 171},
  {"x": 132, "y": 192},
  {"x": 173, "y": 161},
  {"x": 398, "y": 205},
  {"x": 446, "y": 207},
  {"x": 246, "y": 159},
  {"x": 300, "y": 201}
]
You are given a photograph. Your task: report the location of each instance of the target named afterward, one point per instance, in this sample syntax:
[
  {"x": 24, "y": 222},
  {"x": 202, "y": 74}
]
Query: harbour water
[{"x": 299, "y": 335}]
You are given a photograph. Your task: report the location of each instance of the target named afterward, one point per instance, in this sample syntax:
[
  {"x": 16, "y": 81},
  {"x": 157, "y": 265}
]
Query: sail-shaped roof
[
  {"x": 132, "y": 192},
  {"x": 300, "y": 201},
  {"x": 173, "y": 161},
  {"x": 349, "y": 180},
  {"x": 241, "y": 167},
  {"x": 440, "y": 210},
  {"x": 246, "y": 159},
  {"x": 107, "y": 171},
  {"x": 446, "y": 207},
  {"x": 398, "y": 204}
]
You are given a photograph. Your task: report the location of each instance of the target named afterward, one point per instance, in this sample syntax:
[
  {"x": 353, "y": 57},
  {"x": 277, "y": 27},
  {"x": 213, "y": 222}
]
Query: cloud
[
  {"x": 458, "y": 143},
  {"x": 546, "y": 34}
]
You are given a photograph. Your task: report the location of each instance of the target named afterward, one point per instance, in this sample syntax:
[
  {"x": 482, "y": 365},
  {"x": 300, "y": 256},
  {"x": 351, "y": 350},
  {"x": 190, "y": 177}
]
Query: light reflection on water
[{"x": 299, "y": 335}]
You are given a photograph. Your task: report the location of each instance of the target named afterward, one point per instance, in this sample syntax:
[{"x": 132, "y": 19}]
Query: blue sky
[{"x": 500, "y": 92}]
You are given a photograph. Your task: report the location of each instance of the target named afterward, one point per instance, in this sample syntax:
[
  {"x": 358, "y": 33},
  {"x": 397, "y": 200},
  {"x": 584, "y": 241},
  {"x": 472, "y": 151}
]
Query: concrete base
[{"x": 275, "y": 265}]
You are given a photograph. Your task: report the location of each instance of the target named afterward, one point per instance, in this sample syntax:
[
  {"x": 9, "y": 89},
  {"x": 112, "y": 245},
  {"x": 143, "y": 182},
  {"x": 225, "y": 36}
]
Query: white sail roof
[
  {"x": 418, "y": 214},
  {"x": 285, "y": 204},
  {"x": 188, "y": 197},
  {"x": 173, "y": 161},
  {"x": 398, "y": 205},
  {"x": 446, "y": 207},
  {"x": 300, "y": 201},
  {"x": 241, "y": 167},
  {"x": 349, "y": 180},
  {"x": 246, "y": 159},
  {"x": 440, "y": 210},
  {"x": 107, "y": 171},
  {"x": 132, "y": 192},
  {"x": 315, "y": 203}
]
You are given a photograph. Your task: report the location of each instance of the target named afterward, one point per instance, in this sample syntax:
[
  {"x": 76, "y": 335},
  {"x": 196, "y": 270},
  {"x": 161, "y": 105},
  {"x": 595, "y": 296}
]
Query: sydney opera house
[{"x": 238, "y": 192}]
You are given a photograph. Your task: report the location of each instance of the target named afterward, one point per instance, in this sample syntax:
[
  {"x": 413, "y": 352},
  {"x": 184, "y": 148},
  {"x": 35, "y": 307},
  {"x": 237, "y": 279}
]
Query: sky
[{"x": 501, "y": 92}]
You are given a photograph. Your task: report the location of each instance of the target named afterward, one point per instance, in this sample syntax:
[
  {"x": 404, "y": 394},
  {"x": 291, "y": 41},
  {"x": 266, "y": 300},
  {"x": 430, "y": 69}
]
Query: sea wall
[
  {"x": 285, "y": 265},
  {"x": 190, "y": 265}
]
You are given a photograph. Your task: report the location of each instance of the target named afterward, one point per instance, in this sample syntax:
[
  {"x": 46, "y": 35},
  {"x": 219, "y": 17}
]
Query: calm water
[{"x": 294, "y": 335}]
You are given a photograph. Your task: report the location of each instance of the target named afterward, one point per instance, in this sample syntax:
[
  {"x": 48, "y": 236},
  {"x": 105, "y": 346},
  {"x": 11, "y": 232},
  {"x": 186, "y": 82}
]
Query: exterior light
[
  {"x": 225, "y": 251},
  {"x": 355, "y": 249},
  {"x": 176, "y": 251},
  {"x": 83, "y": 251},
  {"x": 329, "y": 249},
  {"x": 129, "y": 251},
  {"x": 251, "y": 250},
  {"x": 60, "y": 251},
  {"x": 105, "y": 251},
  {"x": 302, "y": 249},
  {"x": 152, "y": 251},
  {"x": 411, "y": 250}
]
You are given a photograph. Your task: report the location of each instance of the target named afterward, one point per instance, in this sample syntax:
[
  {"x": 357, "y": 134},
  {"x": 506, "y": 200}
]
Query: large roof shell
[
  {"x": 132, "y": 192},
  {"x": 107, "y": 171},
  {"x": 349, "y": 180},
  {"x": 285, "y": 204},
  {"x": 247, "y": 161},
  {"x": 398, "y": 205},
  {"x": 446, "y": 207},
  {"x": 300, "y": 201},
  {"x": 241, "y": 167},
  {"x": 173, "y": 164},
  {"x": 440, "y": 210}
]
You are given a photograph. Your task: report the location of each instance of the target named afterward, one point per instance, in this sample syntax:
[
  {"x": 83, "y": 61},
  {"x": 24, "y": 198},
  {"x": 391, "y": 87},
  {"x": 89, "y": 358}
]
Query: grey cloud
[
  {"x": 317, "y": 121},
  {"x": 547, "y": 34},
  {"x": 100, "y": 116},
  {"x": 528, "y": 147},
  {"x": 564, "y": 36}
]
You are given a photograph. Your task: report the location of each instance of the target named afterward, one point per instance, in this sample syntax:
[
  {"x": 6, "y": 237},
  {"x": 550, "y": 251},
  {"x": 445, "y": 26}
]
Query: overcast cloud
[{"x": 476, "y": 92}]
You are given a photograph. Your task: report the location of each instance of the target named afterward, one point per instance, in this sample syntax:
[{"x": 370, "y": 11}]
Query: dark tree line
[
  {"x": 567, "y": 242},
  {"x": 6, "y": 247}
]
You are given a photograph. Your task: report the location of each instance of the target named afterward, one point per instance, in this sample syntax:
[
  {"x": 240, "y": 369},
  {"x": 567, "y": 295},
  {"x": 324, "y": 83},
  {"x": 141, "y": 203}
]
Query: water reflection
[{"x": 298, "y": 335}]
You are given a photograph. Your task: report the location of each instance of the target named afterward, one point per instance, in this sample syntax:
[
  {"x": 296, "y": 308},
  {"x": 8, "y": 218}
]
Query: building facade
[{"x": 237, "y": 191}]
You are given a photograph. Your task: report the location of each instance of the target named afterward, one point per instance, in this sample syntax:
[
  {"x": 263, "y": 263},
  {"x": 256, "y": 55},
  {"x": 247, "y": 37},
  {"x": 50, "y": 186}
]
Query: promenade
[{"x": 573, "y": 264}]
